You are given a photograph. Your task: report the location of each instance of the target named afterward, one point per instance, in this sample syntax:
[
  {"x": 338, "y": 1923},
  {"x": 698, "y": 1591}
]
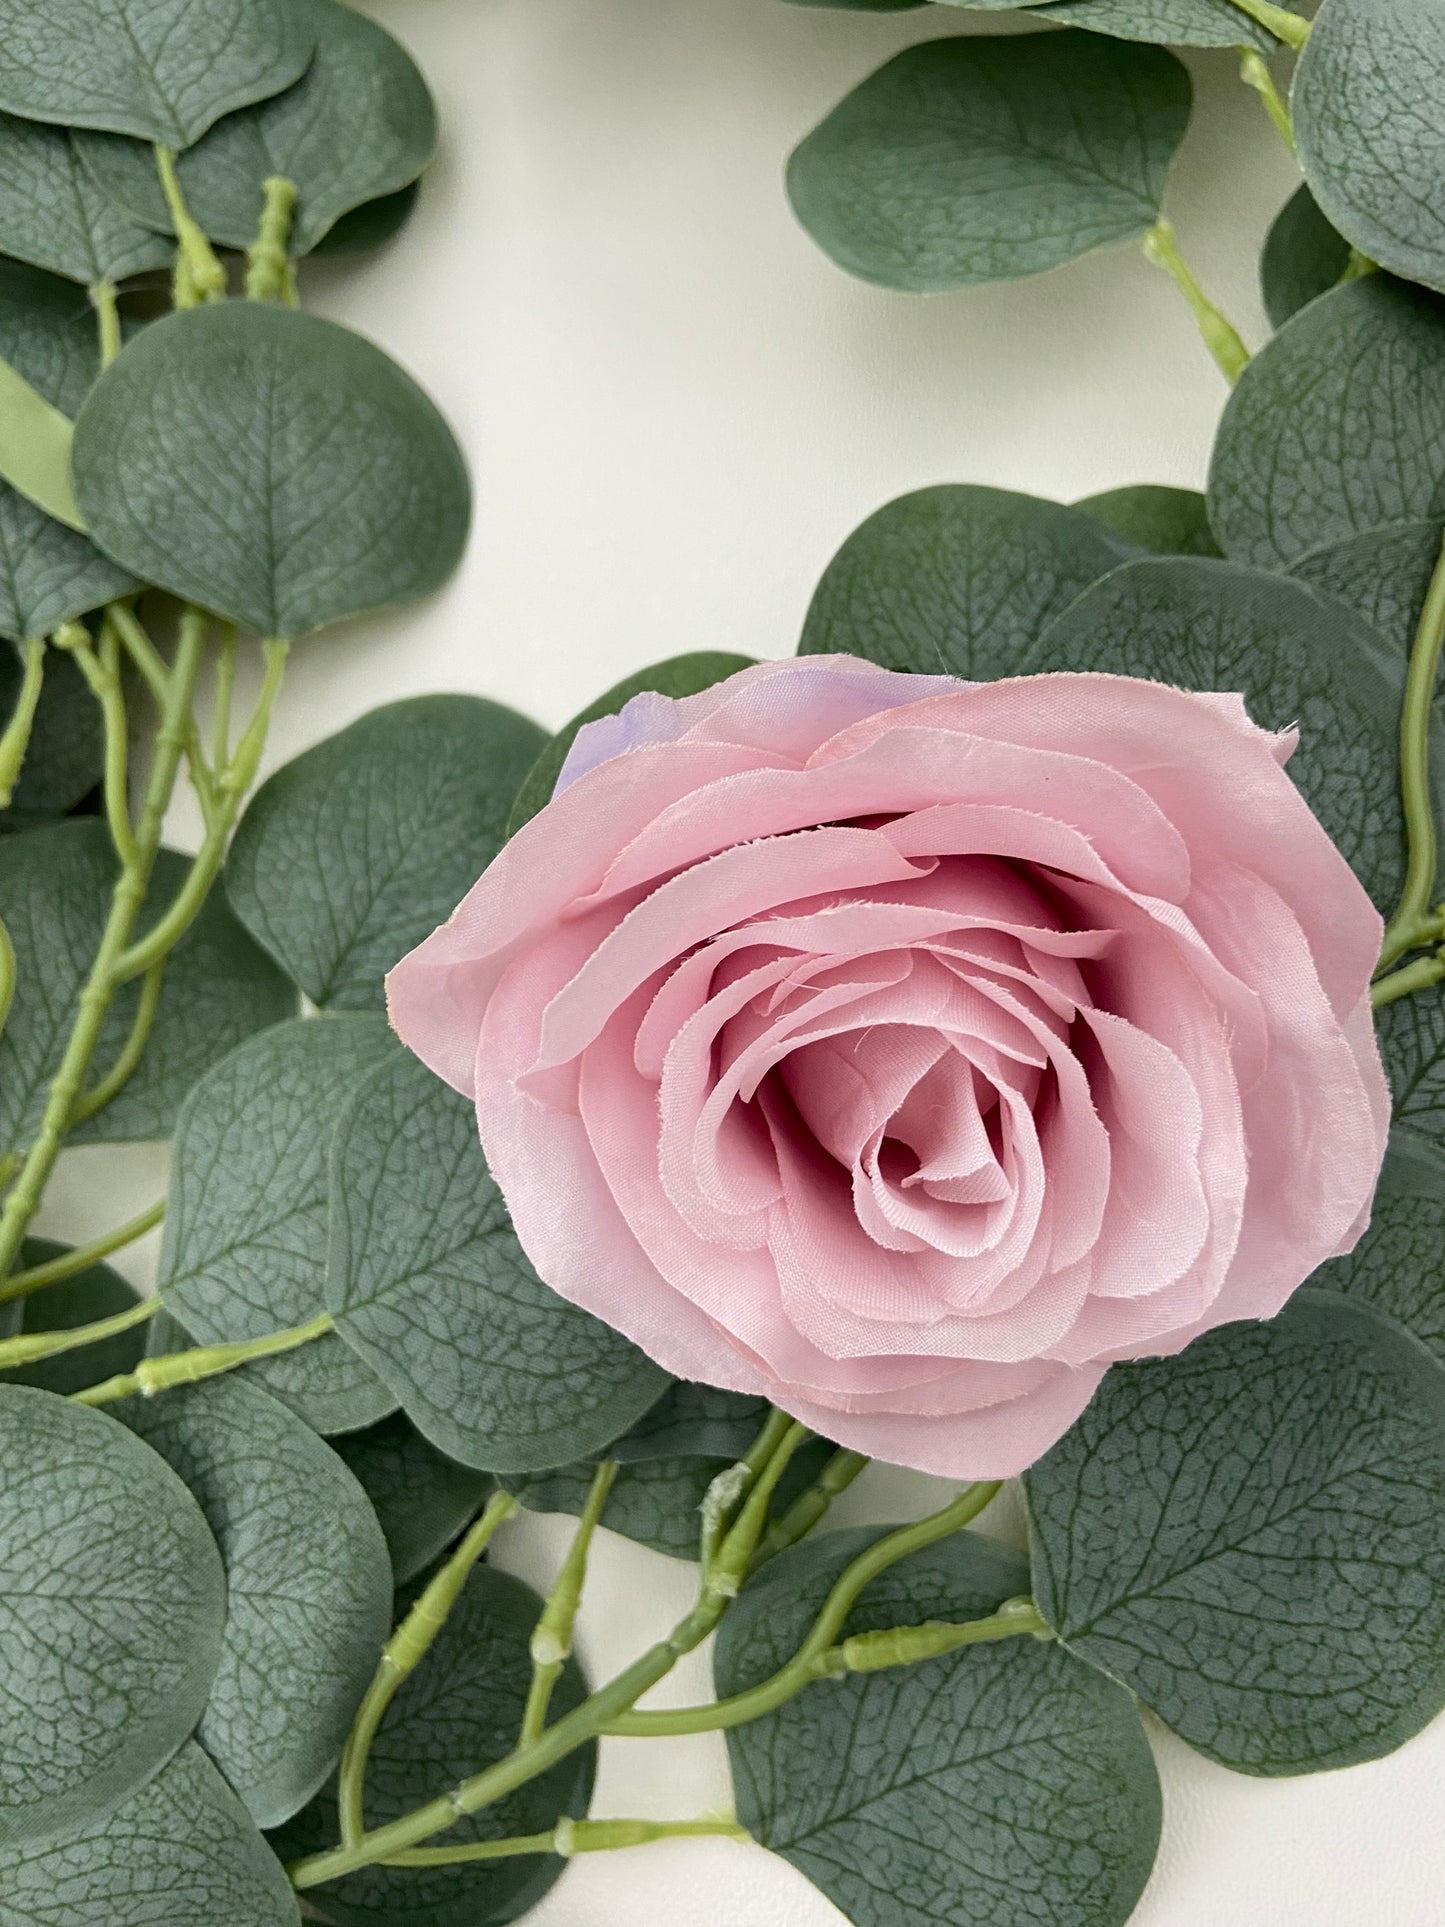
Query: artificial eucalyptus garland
[{"x": 308, "y": 1694}]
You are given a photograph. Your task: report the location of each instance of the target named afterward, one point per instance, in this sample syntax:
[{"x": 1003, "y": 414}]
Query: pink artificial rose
[{"x": 906, "y": 1050}]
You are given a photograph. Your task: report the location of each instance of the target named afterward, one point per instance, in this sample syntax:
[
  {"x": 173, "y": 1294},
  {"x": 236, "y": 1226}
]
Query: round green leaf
[
  {"x": 1365, "y": 101},
  {"x": 678, "y": 676},
  {"x": 111, "y": 1609},
  {"x": 1384, "y": 573},
  {"x": 358, "y": 125},
  {"x": 427, "y": 1281},
  {"x": 1252, "y": 1537},
  {"x": 1411, "y": 1033},
  {"x": 52, "y": 213},
  {"x": 92, "y": 1294},
  {"x": 697, "y": 1420},
  {"x": 422, "y": 1499},
  {"x": 182, "y": 1852},
  {"x": 996, "y": 1785},
  {"x": 1174, "y": 23},
  {"x": 1294, "y": 654},
  {"x": 162, "y": 70},
  {"x": 1336, "y": 426},
  {"x": 862, "y": 6},
  {"x": 350, "y": 855},
  {"x": 955, "y": 580},
  {"x": 1304, "y": 257},
  {"x": 1399, "y": 1264},
  {"x": 974, "y": 160},
  {"x": 1159, "y": 520},
  {"x": 370, "y": 226},
  {"x": 65, "y": 758},
  {"x": 454, "y": 1716},
  {"x": 308, "y": 1585},
  {"x": 270, "y": 466},
  {"x": 246, "y": 1222}
]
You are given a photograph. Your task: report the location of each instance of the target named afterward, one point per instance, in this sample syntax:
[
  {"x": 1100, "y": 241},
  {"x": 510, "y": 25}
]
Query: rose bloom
[{"x": 907, "y": 1050}]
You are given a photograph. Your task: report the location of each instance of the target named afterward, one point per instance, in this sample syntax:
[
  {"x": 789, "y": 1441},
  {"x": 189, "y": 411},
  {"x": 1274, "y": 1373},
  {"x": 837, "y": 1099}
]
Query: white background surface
[{"x": 675, "y": 410}]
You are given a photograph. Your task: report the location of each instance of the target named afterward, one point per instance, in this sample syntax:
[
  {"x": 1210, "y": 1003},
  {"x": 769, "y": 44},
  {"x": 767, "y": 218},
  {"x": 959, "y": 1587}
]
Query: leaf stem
[
  {"x": 1406, "y": 928},
  {"x": 571, "y": 1837},
  {"x": 806, "y": 1510},
  {"x": 102, "y": 299},
  {"x": 154, "y": 1375},
  {"x": 123, "y": 1069},
  {"x": 81, "y": 1257},
  {"x": 1422, "y": 974},
  {"x": 102, "y": 677},
  {"x": 16, "y": 738},
  {"x": 1284, "y": 25},
  {"x": 1221, "y": 337},
  {"x": 7, "y": 988},
  {"x": 551, "y": 1645},
  {"x": 1254, "y": 72},
  {"x": 268, "y": 257},
  {"x": 199, "y": 275},
  {"x": 31, "y": 1347}
]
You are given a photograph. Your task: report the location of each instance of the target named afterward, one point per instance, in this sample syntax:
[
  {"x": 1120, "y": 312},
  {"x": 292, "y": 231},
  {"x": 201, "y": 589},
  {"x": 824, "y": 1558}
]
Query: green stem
[
  {"x": 123, "y": 1069},
  {"x": 31, "y": 1347},
  {"x": 1404, "y": 929},
  {"x": 267, "y": 258},
  {"x": 146, "y": 658},
  {"x": 102, "y": 299},
  {"x": 16, "y": 738},
  {"x": 1254, "y": 72},
  {"x": 1221, "y": 337},
  {"x": 225, "y": 689},
  {"x": 7, "y": 986},
  {"x": 21, "y": 1283},
  {"x": 1423, "y": 974},
  {"x": 102, "y": 676},
  {"x": 806, "y": 1510},
  {"x": 571, "y": 1837},
  {"x": 402, "y": 1654},
  {"x": 1284, "y": 25},
  {"x": 551, "y": 1645},
  {"x": 199, "y": 275},
  {"x": 154, "y": 1375}
]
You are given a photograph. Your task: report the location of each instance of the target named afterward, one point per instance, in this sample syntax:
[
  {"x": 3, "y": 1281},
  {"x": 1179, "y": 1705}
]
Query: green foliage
[
  {"x": 1175, "y": 23},
  {"x": 422, "y": 1499},
  {"x": 84, "y": 1299},
  {"x": 428, "y": 1282},
  {"x": 351, "y": 854},
  {"x": 1365, "y": 99},
  {"x": 92, "y": 1703},
  {"x": 1304, "y": 257},
  {"x": 1411, "y": 1032},
  {"x": 974, "y": 160},
  {"x": 357, "y": 126},
  {"x": 246, "y": 1222},
  {"x": 997, "y": 1785},
  {"x": 958, "y": 581},
  {"x": 370, "y": 226},
  {"x": 1399, "y": 1264},
  {"x": 308, "y": 1585},
  {"x": 270, "y": 466},
  {"x": 54, "y": 215},
  {"x": 1252, "y": 1537},
  {"x": 678, "y": 676},
  {"x": 1159, "y": 520},
  {"x": 63, "y": 762},
  {"x": 182, "y": 1851},
  {"x": 162, "y": 71},
  {"x": 454, "y": 1716},
  {"x": 1384, "y": 573},
  {"x": 1335, "y": 427}
]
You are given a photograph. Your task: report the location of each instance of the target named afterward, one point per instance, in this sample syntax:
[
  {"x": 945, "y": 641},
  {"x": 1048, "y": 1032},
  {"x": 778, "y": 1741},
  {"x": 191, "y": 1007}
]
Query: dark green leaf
[
  {"x": 1384, "y": 573},
  {"x": 1175, "y": 23},
  {"x": 162, "y": 70},
  {"x": 422, "y": 1499},
  {"x": 358, "y": 849},
  {"x": 1411, "y": 1032},
  {"x": 1365, "y": 101},
  {"x": 1303, "y": 258},
  {"x": 955, "y": 580},
  {"x": 358, "y": 125},
  {"x": 863, "y": 6},
  {"x": 998, "y": 1785},
  {"x": 110, "y": 1615},
  {"x": 1252, "y": 1537},
  {"x": 695, "y": 1420},
  {"x": 974, "y": 160},
  {"x": 55, "y": 886},
  {"x": 64, "y": 761},
  {"x": 1296, "y": 656},
  {"x": 52, "y": 213},
  {"x": 678, "y": 676},
  {"x": 308, "y": 1585},
  {"x": 182, "y": 1852},
  {"x": 428, "y": 1282},
  {"x": 371, "y": 226},
  {"x": 453, "y": 1717},
  {"x": 1163, "y": 521},
  {"x": 93, "y": 1294},
  {"x": 1399, "y": 1264},
  {"x": 271, "y": 466},
  {"x": 1336, "y": 426},
  {"x": 246, "y": 1223}
]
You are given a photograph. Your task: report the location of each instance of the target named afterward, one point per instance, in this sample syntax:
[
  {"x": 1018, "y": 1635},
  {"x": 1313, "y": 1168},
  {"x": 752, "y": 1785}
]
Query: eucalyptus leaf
[
  {"x": 1399, "y": 1264},
  {"x": 371, "y": 225},
  {"x": 1252, "y": 1537},
  {"x": 1304, "y": 257},
  {"x": 271, "y": 466},
  {"x": 454, "y": 1716},
  {"x": 1411, "y": 1034},
  {"x": 347, "y": 857},
  {"x": 428, "y": 1282},
  {"x": 218, "y": 987},
  {"x": 246, "y": 1223},
  {"x": 358, "y": 125},
  {"x": 1159, "y": 520},
  {"x": 971, "y": 160},
  {"x": 1383, "y": 573},
  {"x": 181, "y": 1852},
  {"x": 1336, "y": 426},
  {"x": 695, "y": 1420},
  {"x": 1297, "y": 656},
  {"x": 161, "y": 70},
  {"x": 1001, "y": 1784},
  {"x": 1365, "y": 100},
  {"x": 1174, "y": 23},
  {"x": 864, "y": 6},
  {"x": 677, "y": 676},
  {"x": 956, "y": 580},
  {"x": 55, "y": 215},
  {"x": 111, "y": 1611},
  {"x": 308, "y": 1585},
  {"x": 422, "y": 1498},
  {"x": 84, "y": 1299},
  {"x": 65, "y": 758}
]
